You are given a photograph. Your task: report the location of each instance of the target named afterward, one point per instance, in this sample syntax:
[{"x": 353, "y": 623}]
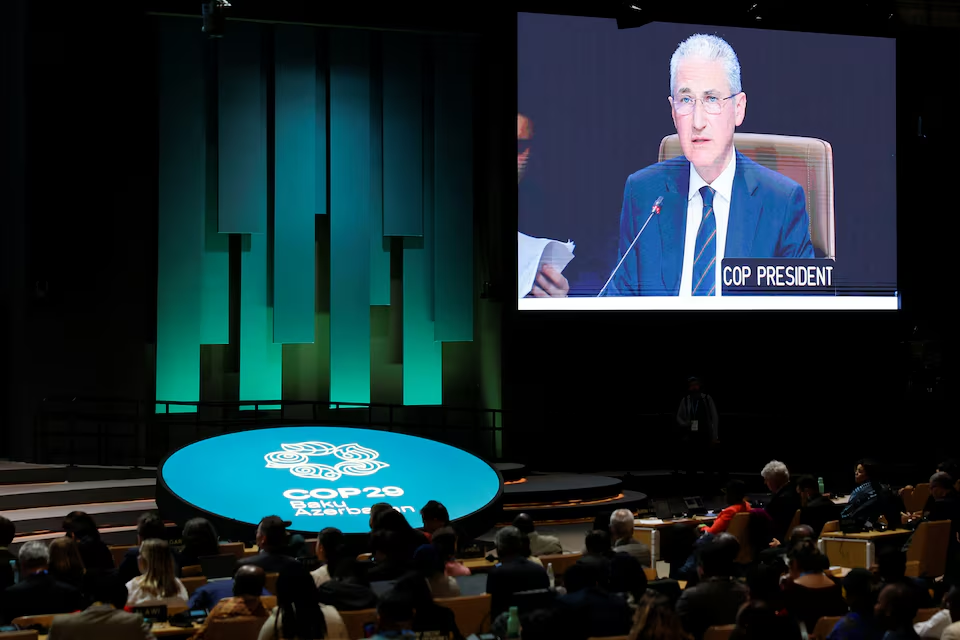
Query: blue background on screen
[
  {"x": 597, "y": 96},
  {"x": 227, "y": 475}
]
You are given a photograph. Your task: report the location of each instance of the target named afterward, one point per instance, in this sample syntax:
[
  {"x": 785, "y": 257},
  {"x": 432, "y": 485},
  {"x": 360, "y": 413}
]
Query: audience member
[
  {"x": 430, "y": 620},
  {"x": 434, "y": 516},
  {"x": 758, "y": 620},
  {"x": 430, "y": 567},
  {"x": 445, "y": 541},
  {"x": 595, "y": 612},
  {"x": 763, "y": 583},
  {"x": 892, "y": 569},
  {"x": 778, "y": 551},
  {"x": 406, "y": 538},
  {"x": 809, "y": 593},
  {"x": 736, "y": 497},
  {"x": 199, "y": 540},
  {"x": 627, "y": 578},
  {"x": 105, "y": 618},
  {"x": 718, "y": 596},
  {"x": 158, "y": 580},
  {"x": 65, "y": 562},
  {"x": 375, "y": 511},
  {"x": 37, "y": 592},
  {"x": 208, "y": 595},
  {"x": 149, "y": 525},
  {"x": 597, "y": 554},
  {"x": 949, "y": 467},
  {"x": 391, "y": 559},
  {"x": 349, "y": 587},
  {"x": 945, "y": 506},
  {"x": 7, "y": 533},
  {"x": 784, "y": 500},
  {"x": 860, "y": 592},
  {"x": 938, "y": 623},
  {"x": 81, "y": 527},
  {"x": 272, "y": 540},
  {"x": 331, "y": 549},
  {"x": 816, "y": 509},
  {"x": 513, "y": 573},
  {"x": 895, "y": 611},
  {"x": 298, "y": 614},
  {"x": 655, "y": 619},
  {"x": 394, "y": 617},
  {"x": 540, "y": 545},
  {"x": 872, "y": 499},
  {"x": 952, "y": 632},
  {"x": 248, "y": 584},
  {"x": 621, "y": 530}
]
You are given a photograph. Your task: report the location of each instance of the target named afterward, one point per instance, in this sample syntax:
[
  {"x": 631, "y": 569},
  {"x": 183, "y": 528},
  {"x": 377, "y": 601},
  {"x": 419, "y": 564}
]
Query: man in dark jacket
[
  {"x": 272, "y": 541},
  {"x": 37, "y": 592},
  {"x": 718, "y": 596},
  {"x": 816, "y": 510},
  {"x": 149, "y": 525},
  {"x": 95, "y": 554},
  {"x": 784, "y": 501},
  {"x": 514, "y": 574}
]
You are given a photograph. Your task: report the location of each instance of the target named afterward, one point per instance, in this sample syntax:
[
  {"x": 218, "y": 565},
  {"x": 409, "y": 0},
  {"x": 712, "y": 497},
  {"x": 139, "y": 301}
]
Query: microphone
[{"x": 655, "y": 210}]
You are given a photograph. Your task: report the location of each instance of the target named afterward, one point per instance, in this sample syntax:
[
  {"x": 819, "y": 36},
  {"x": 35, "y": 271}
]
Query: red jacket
[{"x": 723, "y": 520}]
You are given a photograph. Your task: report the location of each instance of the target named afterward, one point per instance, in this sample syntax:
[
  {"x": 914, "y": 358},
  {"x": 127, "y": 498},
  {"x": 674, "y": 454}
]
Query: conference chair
[
  {"x": 560, "y": 561},
  {"x": 271, "y": 585},
  {"x": 191, "y": 571},
  {"x": 193, "y": 583},
  {"x": 916, "y": 500},
  {"x": 119, "y": 551},
  {"x": 472, "y": 613},
  {"x": 719, "y": 632},
  {"x": 824, "y": 626},
  {"x": 268, "y": 602},
  {"x": 808, "y": 161},
  {"x": 44, "y": 620},
  {"x": 237, "y": 628},
  {"x": 795, "y": 522},
  {"x": 739, "y": 528},
  {"x": 927, "y": 554},
  {"x": 236, "y": 548},
  {"x": 356, "y": 620}
]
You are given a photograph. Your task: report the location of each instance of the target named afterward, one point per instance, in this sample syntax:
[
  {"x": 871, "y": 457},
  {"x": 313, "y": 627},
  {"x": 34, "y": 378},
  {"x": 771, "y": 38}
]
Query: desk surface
[
  {"x": 657, "y": 523},
  {"x": 867, "y": 535},
  {"x": 163, "y": 630}
]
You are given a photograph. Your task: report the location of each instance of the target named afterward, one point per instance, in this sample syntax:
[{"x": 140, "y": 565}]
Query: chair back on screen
[
  {"x": 928, "y": 548},
  {"x": 719, "y": 632},
  {"x": 808, "y": 161},
  {"x": 236, "y": 628},
  {"x": 472, "y": 613},
  {"x": 354, "y": 621},
  {"x": 918, "y": 498}
]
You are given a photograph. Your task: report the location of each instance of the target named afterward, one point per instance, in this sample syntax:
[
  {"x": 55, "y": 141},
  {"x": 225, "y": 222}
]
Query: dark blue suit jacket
[{"x": 768, "y": 219}]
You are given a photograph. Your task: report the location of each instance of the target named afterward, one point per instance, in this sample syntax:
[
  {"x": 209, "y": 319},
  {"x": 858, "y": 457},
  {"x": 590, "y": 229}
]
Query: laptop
[{"x": 219, "y": 567}]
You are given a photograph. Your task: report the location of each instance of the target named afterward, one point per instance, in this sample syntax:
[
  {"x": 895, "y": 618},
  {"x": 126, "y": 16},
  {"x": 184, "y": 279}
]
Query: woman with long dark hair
[
  {"x": 199, "y": 539},
  {"x": 81, "y": 527},
  {"x": 331, "y": 549},
  {"x": 298, "y": 615}
]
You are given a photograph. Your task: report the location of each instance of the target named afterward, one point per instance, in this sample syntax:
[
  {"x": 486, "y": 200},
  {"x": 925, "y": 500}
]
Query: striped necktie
[{"x": 705, "y": 252}]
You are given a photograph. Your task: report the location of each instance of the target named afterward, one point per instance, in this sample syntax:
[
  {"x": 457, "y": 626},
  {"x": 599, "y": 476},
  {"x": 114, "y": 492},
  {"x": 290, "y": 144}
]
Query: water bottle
[
  {"x": 513, "y": 623},
  {"x": 553, "y": 580},
  {"x": 820, "y": 485}
]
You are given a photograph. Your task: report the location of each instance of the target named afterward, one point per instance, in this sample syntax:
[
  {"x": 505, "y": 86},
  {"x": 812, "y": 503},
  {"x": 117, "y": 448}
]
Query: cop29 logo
[{"x": 300, "y": 458}]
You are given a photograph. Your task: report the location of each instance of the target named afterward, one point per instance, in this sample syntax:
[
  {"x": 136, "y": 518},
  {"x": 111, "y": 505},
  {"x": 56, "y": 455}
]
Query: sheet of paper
[
  {"x": 533, "y": 253},
  {"x": 647, "y": 522}
]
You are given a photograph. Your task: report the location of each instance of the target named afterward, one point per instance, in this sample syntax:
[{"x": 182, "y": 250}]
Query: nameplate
[
  {"x": 778, "y": 276},
  {"x": 157, "y": 613}
]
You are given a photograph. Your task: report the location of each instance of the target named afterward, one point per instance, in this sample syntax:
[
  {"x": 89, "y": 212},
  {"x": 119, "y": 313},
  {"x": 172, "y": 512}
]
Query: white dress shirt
[
  {"x": 935, "y": 626},
  {"x": 723, "y": 186}
]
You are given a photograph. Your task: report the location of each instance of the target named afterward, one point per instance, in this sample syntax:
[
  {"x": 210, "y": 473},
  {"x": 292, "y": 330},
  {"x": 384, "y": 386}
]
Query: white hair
[
  {"x": 621, "y": 522},
  {"x": 707, "y": 47},
  {"x": 776, "y": 471},
  {"x": 34, "y": 554}
]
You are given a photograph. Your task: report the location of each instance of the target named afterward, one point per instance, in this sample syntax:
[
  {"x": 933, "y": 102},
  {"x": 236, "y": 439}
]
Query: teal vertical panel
[
  {"x": 243, "y": 154},
  {"x": 261, "y": 370},
  {"x": 321, "y": 123},
  {"x": 379, "y": 245},
  {"x": 422, "y": 354},
  {"x": 294, "y": 231},
  {"x": 181, "y": 209},
  {"x": 402, "y": 135},
  {"x": 215, "y": 278},
  {"x": 349, "y": 55},
  {"x": 453, "y": 190}
]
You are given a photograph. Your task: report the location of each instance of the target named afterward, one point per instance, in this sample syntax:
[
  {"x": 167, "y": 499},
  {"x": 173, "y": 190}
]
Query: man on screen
[{"x": 716, "y": 202}]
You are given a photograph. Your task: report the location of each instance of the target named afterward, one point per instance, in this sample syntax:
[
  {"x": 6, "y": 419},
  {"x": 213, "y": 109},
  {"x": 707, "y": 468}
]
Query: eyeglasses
[{"x": 713, "y": 105}]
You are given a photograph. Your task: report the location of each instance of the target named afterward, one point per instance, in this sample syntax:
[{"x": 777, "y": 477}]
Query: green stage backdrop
[{"x": 316, "y": 227}]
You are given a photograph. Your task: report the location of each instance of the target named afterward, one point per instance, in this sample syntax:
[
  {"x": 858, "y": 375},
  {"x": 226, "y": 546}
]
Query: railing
[{"x": 123, "y": 432}]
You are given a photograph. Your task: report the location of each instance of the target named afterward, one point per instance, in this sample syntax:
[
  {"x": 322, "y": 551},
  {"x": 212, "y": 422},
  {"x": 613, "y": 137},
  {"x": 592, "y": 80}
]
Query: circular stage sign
[{"x": 320, "y": 477}]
